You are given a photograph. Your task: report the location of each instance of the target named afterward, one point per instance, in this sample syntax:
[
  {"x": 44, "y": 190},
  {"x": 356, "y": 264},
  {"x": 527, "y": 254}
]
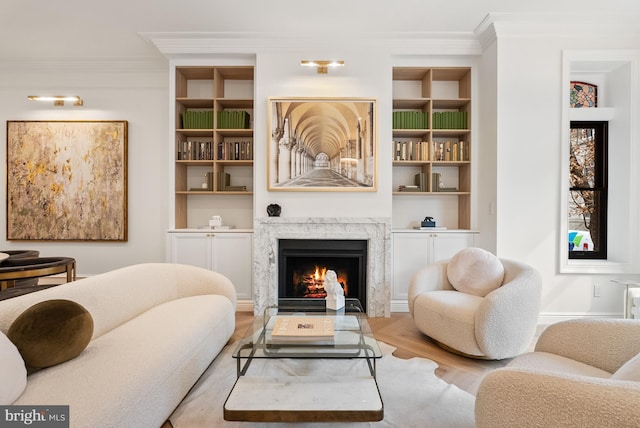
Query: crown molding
[
  {"x": 105, "y": 65},
  {"x": 507, "y": 25},
  {"x": 558, "y": 24},
  {"x": 180, "y": 44}
]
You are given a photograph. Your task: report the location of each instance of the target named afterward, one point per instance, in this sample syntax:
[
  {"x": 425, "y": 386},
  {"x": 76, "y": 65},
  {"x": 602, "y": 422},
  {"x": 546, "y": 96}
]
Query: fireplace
[
  {"x": 302, "y": 264},
  {"x": 269, "y": 231}
]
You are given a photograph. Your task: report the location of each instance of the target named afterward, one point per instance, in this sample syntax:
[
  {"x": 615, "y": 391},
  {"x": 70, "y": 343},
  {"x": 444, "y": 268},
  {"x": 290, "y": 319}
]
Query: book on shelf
[
  {"x": 421, "y": 181},
  {"x": 235, "y": 188},
  {"x": 293, "y": 329},
  {"x": 450, "y": 120},
  {"x": 408, "y": 188},
  {"x": 197, "y": 119},
  {"x": 235, "y": 150},
  {"x": 448, "y": 151},
  {"x": 410, "y": 150},
  {"x": 410, "y": 120},
  {"x": 234, "y": 119},
  {"x": 223, "y": 180},
  {"x": 436, "y": 180},
  {"x": 209, "y": 180},
  {"x": 194, "y": 150}
]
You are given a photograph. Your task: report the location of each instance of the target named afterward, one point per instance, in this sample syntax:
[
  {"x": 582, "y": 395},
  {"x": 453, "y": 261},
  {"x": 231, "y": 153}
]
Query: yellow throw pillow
[{"x": 51, "y": 332}]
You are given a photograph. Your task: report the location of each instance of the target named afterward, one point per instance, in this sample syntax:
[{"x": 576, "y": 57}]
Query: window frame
[{"x": 600, "y": 186}]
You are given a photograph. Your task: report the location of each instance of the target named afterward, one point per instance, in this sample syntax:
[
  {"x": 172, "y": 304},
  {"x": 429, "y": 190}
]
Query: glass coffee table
[{"x": 339, "y": 396}]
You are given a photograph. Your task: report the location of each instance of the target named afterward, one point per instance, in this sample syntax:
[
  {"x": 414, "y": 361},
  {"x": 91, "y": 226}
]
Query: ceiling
[{"x": 41, "y": 29}]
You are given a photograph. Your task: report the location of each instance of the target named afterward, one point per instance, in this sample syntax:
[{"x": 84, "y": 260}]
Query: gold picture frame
[
  {"x": 67, "y": 180},
  {"x": 322, "y": 144}
]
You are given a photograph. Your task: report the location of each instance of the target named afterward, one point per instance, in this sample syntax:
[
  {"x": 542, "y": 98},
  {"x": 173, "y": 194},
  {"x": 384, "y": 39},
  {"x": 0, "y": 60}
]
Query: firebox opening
[{"x": 303, "y": 263}]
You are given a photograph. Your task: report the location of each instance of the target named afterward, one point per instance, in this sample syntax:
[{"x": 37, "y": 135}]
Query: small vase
[{"x": 273, "y": 210}]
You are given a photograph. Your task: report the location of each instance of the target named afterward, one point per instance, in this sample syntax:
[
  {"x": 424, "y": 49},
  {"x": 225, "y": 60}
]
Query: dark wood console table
[{"x": 12, "y": 270}]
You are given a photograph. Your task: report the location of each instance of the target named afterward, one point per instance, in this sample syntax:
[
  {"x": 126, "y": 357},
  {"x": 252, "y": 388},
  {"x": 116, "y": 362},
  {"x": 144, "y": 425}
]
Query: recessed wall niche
[{"x": 612, "y": 72}]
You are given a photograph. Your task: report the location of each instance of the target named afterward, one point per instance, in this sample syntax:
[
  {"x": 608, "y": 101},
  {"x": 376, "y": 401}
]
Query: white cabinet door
[
  {"x": 445, "y": 245},
  {"x": 191, "y": 249},
  {"x": 414, "y": 250},
  {"x": 233, "y": 257},
  {"x": 228, "y": 253},
  {"x": 410, "y": 253}
]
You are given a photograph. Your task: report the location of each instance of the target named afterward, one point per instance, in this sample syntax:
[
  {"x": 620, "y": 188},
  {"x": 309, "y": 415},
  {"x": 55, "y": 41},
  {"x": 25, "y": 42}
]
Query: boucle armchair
[
  {"x": 494, "y": 320},
  {"x": 583, "y": 373}
]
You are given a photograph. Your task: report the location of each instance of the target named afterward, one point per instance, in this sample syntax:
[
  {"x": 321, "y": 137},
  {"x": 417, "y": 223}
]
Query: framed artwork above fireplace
[{"x": 322, "y": 144}]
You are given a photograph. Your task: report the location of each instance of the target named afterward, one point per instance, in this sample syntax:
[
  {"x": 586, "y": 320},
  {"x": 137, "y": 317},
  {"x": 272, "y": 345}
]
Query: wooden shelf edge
[
  {"x": 432, "y": 193},
  {"x": 402, "y": 163},
  {"x": 212, "y": 192}
]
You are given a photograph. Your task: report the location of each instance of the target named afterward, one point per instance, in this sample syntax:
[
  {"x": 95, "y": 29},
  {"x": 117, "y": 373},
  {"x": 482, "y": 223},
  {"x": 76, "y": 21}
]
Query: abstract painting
[{"x": 67, "y": 180}]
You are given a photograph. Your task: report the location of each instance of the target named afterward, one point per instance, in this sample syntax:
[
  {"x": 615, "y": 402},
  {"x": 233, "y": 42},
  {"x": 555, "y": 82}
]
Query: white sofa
[
  {"x": 583, "y": 373},
  {"x": 157, "y": 327}
]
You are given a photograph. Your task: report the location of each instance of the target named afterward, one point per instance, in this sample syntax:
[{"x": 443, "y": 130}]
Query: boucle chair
[
  {"x": 476, "y": 304},
  {"x": 583, "y": 373}
]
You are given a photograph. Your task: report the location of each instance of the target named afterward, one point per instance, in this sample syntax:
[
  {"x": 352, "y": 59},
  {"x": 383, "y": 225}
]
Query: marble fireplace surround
[{"x": 377, "y": 231}]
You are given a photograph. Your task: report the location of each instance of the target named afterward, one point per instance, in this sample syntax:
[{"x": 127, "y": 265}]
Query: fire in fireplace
[{"x": 303, "y": 263}]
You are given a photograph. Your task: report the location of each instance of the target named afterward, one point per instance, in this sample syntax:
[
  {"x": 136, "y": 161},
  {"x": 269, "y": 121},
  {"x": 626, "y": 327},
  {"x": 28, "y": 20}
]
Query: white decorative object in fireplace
[
  {"x": 335, "y": 294},
  {"x": 377, "y": 232}
]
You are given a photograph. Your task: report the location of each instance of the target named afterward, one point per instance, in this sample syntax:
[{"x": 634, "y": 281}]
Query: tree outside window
[{"x": 587, "y": 210}]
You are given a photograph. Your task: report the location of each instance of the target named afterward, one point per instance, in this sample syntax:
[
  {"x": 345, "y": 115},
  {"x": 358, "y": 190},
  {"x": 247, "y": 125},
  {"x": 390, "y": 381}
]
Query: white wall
[
  {"x": 485, "y": 151},
  {"x": 529, "y": 70},
  {"x": 141, "y": 98},
  {"x": 366, "y": 74}
]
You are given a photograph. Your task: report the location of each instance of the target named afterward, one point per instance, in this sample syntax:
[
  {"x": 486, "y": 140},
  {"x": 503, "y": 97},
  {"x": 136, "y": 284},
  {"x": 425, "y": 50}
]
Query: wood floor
[{"x": 399, "y": 331}]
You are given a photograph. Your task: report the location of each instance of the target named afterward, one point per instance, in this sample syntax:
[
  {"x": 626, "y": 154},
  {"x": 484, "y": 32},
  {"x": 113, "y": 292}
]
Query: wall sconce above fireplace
[
  {"x": 58, "y": 100},
  {"x": 323, "y": 65}
]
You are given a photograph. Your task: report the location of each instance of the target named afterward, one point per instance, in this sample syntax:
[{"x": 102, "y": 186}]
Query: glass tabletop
[{"x": 293, "y": 329}]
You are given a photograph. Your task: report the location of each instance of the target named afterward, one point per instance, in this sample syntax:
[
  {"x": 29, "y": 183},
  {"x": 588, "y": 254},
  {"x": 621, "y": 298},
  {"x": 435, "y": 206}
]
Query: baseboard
[
  {"x": 244, "y": 306},
  {"x": 546, "y": 318},
  {"x": 399, "y": 306}
]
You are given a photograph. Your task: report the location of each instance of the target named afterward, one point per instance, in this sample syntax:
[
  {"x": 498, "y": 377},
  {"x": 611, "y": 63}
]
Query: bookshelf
[
  {"x": 431, "y": 147},
  {"x": 213, "y": 150}
]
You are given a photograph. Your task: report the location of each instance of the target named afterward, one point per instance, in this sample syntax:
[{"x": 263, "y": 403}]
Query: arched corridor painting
[{"x": 322, "y": 144}]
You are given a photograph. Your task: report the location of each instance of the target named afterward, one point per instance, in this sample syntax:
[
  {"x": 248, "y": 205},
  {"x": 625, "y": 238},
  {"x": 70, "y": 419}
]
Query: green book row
[
  {"x": 450, "y": 120},
  {"x": 235, "y": 119},
  {"x": 410, "y": 120},
  {"x": 197, "y": 119}
]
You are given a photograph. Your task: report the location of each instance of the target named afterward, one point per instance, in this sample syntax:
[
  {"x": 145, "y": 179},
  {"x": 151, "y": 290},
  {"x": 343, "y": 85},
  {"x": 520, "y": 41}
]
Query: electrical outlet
[{"x": 596, "y": 290}]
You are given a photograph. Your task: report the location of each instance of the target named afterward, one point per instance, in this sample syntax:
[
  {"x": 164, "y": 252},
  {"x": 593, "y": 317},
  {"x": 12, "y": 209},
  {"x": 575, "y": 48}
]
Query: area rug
[{"x": 411, "y": 393}]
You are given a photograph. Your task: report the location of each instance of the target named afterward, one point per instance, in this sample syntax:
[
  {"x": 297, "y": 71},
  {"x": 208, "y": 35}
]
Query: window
[{"x": 587, "y": 202}]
